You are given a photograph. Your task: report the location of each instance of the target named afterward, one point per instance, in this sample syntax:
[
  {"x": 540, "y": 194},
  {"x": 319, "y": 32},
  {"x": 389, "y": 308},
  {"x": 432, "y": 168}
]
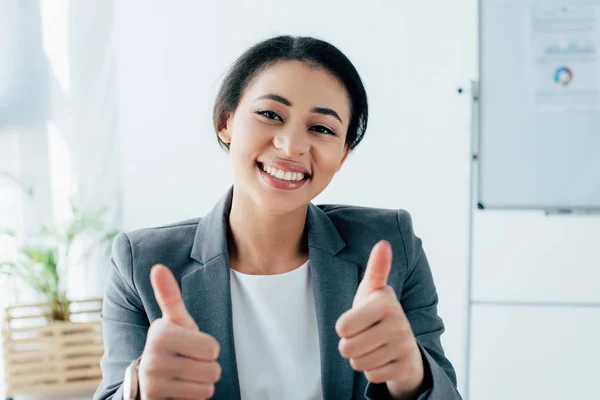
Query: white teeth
[{"x": 283, "y": 175}]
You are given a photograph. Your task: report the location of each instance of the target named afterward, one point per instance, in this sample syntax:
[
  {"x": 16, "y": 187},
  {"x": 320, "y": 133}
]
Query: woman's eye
[
  {"x": 322, "y": 129},
  {"x": 270, "y": 115}
]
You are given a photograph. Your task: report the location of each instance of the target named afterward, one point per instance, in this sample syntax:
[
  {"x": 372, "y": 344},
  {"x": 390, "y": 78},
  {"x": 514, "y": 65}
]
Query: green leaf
[
  {"x": 8, "y": 231},
  {"x": 85, "y": 222},
  {"x": 110, "y": 235},
  {"x": 40, "y": 266},
  {"x": 7, "y": 268},
  {"x": 27, "y": 189}
]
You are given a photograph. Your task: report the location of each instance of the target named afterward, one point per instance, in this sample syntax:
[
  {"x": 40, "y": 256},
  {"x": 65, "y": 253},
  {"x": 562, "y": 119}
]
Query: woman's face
[{"x": 288, "y": 135}]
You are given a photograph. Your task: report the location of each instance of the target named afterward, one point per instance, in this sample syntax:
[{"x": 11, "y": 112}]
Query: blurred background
[{"x": 106, "y": 125}]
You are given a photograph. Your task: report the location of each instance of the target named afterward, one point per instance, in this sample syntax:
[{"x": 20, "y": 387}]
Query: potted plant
[{"x": 47, "y": 350}]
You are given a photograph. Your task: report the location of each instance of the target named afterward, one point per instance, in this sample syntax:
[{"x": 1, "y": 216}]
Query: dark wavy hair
[{"x": 307, "y": 49}]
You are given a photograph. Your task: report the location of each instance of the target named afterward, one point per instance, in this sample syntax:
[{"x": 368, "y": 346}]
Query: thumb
[
  {"x": 169, "y": 298},
  {"x": 377, "y": 272}
]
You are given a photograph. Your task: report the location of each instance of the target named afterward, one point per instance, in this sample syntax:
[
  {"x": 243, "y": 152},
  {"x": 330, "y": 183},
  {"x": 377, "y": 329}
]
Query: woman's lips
[
  {"x": 292, "y": 180},
  {"x": 285, "y": 165}
]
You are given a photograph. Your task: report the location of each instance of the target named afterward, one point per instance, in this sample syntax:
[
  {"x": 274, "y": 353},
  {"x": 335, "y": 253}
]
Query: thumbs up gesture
[
  {"x": 376, "y": 335},
  {"x": 179, "y": 361}
]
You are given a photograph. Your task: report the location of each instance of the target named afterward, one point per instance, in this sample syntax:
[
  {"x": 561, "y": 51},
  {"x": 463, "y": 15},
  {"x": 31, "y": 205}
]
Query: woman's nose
[{"x": 292, "y": 142}]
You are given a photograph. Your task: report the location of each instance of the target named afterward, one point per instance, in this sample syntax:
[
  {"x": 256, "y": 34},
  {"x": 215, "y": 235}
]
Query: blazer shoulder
[
  {"x": 169, "y": 232},
  {"x": 357, "y": 217},
  {"x": 362, "y": 227},
  {"x": 141, "y": 248}
]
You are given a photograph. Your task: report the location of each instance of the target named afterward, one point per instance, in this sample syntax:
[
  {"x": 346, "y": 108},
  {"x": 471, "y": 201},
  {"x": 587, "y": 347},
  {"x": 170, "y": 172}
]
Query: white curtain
[{"x": 58, "y": 122}]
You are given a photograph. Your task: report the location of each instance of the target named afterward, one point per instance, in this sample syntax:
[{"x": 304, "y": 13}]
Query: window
[{"x": 10, "y": 217}]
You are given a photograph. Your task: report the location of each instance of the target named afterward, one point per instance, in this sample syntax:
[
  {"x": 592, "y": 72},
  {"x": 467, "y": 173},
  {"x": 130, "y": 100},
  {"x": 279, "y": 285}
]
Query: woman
[{"x": 270, "y": 296}]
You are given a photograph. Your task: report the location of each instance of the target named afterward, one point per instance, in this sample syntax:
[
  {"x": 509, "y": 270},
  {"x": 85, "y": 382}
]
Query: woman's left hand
[{"x": 376, "y": 335}]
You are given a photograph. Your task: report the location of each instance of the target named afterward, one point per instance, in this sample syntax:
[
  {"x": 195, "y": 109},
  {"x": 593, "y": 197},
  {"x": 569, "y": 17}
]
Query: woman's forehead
[{"x": 302, "y": 84}]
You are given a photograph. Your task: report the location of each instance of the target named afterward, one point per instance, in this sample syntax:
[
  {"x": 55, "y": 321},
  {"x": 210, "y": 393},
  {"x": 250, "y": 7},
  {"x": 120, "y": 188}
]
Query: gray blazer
[{"x": 340, "y": 239}]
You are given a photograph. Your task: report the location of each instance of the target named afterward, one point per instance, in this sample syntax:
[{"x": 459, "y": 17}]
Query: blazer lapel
[
  {"x": 207, "y": 293},
  {"x": 207, "y": 296},
  {"x": 334, "y": 283}
]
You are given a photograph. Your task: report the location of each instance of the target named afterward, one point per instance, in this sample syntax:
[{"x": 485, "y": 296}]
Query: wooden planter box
[{"x": 52, "y": 358}]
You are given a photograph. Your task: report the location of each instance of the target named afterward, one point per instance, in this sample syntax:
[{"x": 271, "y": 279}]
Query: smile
[
  {"x": 283, "y": 175},
  {"x": 281, "y": 179}
]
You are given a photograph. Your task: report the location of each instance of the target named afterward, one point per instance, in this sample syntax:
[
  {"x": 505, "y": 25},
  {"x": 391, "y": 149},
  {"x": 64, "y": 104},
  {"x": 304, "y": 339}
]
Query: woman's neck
[{"x": 265, "y": 243}]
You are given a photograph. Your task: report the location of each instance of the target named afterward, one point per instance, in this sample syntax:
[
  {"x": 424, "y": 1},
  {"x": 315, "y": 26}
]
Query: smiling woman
[
  {"x": 270, "y": 296},
  {"x": 279, "y": 123}
]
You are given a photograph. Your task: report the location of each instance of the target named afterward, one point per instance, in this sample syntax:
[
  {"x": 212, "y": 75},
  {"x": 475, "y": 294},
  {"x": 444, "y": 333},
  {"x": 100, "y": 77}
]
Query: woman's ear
[
  {"x": 225, "y": 136},
  {"x": 225, "y": 130},
  {"x": 343, "y": 160}
]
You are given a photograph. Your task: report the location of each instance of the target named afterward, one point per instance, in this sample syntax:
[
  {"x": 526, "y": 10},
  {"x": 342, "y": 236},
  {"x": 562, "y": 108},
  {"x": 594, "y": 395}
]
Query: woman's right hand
[{"x": 179, "y": 361}]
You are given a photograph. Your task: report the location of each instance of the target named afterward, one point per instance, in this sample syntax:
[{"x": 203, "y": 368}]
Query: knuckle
[
  {"x": 379, "y": 306},
  {"x": 389, "y": 307},
  {"x": 379, "y": 296},
  {"x": 345, "y": 348},
  {"x": 373, "y": 377},
  {"x": 409, "y": 369},
  {"x": 389, "y": 291},
  {"x": 213, "y": 347},
  {"x": 217, "y": 348},
  {"x": 407, "y": 326},
  {"x": 158, "y": 335},
  {"x": 207, "y": 391},
  {"x": 398, "y": 351},
  {"x": 412, "y": 369},
  {"x": 218, "y": 371},
  {"x": 158, "y": 342},
  {"x": 355, "y": 364},
  {"x": 155, "y": 327},
  {"x": 407, "y": 347},
  {"x": 149, "y": 367},
  {"x": 341, "y": 326},
  {"x": 397, "y": 331},
  {"x": 158, "y": 324}
]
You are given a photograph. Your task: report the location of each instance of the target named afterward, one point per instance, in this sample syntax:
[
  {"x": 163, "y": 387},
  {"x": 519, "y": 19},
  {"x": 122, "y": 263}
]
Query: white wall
[
  {"x": 412, "y": 57},
  {"x": 536, "y": 306},
  {"x": 536, "y": 279}
]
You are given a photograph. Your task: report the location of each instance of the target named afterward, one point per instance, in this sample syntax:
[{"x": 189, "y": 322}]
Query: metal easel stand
[{"x": 474, "y": 92}]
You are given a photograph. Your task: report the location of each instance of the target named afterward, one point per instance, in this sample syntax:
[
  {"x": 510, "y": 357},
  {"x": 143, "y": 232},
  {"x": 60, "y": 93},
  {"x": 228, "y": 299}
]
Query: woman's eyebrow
[
  {"x": 275, "y": 97},
  {"x": 283, "y": 100},
  {"x": 326, "y": 111}
]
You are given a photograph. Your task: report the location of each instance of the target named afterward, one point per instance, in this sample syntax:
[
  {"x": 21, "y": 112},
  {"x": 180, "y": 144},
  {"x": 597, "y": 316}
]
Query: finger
[
  {"x": 377, "y": 271},
  {"x": 168, "y": 296},
  {"x": 197, "y": 371},
  {"x": 186, "y": 343},
  {"x": 369, "y": 340},
  {"x": 187, "y": 369},
  {"x": 373, "y": 310},
  {"x": 373, "y": 360},
  {"x": 384, "y": 373},
  {"x": 171, "y": 389}
]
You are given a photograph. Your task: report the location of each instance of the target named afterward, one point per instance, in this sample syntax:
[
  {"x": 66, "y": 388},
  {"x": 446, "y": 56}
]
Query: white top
[{"x": 276, "y": 336}]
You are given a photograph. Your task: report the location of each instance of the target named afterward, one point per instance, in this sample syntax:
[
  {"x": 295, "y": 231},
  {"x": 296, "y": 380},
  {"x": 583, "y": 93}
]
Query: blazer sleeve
[
  {"x": 419, "y": 300},
  {"x": 124, "y": 321}
]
